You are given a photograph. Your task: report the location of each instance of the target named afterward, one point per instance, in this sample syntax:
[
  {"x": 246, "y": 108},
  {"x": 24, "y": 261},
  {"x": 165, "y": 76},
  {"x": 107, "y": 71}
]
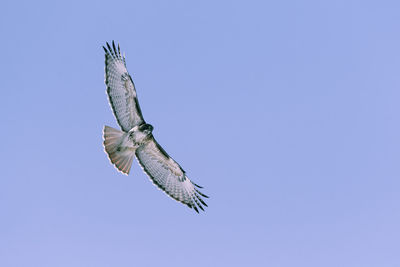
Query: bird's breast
[{"x": 138, "y": 137}]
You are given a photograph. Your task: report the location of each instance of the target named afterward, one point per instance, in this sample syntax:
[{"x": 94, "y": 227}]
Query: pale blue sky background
[{"x": 287, "y": 112}]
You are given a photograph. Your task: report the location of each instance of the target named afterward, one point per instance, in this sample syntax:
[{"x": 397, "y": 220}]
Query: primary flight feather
[{"x": 136, "y": 138}]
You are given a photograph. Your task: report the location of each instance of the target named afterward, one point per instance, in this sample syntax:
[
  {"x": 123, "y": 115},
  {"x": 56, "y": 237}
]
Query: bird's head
[{"x": 146, "y": 128}]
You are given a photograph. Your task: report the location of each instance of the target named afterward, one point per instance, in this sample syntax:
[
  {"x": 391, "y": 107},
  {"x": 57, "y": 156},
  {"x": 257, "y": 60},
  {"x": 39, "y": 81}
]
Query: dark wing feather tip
[
  {"x": 197, "y": 185},
  {"x": 109, "y": 48},
  {"x": 196, "y": 209},
  {"x": 202, "y": 202},
  {"x": 115, "y": 50},
  {"x": 201, "y": 194},
  {"x": 198, "y": 204}
]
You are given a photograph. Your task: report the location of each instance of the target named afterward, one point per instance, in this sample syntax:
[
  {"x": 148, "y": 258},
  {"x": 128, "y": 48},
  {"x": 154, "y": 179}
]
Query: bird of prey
[{"x": 136, "y": 138}]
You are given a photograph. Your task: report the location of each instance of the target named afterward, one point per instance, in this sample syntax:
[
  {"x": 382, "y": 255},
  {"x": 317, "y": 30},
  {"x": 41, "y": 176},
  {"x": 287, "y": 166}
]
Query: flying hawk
[{"x": 136, "y": 138}]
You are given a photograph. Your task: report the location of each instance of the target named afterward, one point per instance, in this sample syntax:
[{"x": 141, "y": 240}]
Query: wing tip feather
[
  {"x": 196, "y": 185},
  {"x": 109, "y": 47},
  {"x": 194, "y": 207}
]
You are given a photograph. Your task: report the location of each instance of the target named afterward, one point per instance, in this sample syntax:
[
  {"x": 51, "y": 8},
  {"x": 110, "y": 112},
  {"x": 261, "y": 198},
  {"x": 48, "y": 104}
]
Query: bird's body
[{"x": 136, "y": 137}]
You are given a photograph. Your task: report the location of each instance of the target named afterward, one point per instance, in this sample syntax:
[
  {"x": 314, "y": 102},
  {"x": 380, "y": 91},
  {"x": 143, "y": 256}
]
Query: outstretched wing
[
  {"x": 121, "y": 90},
  {"x": 168, "y": 175}
]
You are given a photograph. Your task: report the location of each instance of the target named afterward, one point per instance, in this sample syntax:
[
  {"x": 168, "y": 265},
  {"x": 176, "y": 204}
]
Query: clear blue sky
[{"x": 287, "y": 112}]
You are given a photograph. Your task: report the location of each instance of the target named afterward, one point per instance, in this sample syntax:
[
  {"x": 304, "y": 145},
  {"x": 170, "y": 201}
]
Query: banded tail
[{"x": 118, "y": 148}]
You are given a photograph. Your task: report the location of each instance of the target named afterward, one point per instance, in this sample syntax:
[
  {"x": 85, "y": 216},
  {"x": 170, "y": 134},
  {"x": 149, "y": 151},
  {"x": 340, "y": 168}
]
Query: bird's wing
[
  {"x": 121, "y": 90},
  {"x": 166, "y": 173}
]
